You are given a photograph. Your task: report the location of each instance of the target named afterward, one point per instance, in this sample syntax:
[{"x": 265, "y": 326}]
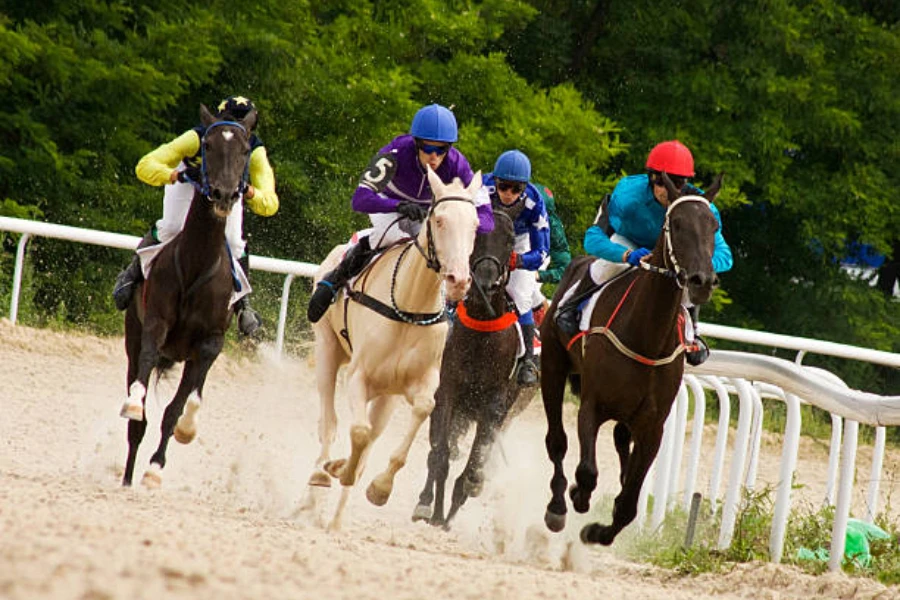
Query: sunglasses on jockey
[
  {"x": 439, "y": 149},
  {"x": 516, "y": 186}
]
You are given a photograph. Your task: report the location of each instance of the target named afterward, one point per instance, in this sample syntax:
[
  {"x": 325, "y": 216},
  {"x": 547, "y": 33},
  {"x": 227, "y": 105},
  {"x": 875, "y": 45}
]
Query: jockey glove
[
  {"x": 412, "y": 210},
  {"x": 189, "y": 174},
  {"x": 515, "y": 261},
  {"x": 634, "y": 257}
]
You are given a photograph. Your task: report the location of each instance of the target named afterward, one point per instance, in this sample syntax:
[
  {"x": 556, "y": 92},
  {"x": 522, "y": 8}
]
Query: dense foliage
[{"x": 797, "y": 101}]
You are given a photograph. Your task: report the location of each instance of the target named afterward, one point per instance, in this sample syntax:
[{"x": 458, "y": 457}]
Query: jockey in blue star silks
[
  {"x": 176, "y": 165},
  {"x": 626, "y": 229},
  {"x": 508, "y": 185},
  {"x": 395, "y": 193}
]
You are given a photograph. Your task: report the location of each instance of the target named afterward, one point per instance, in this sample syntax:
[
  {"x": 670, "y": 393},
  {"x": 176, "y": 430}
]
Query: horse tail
[
  {"x": 163, "y": 364},
  {"x": 575, "y": 383}
]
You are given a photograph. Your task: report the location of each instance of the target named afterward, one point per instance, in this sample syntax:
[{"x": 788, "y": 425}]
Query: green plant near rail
[{"x": 808, "y": 528}]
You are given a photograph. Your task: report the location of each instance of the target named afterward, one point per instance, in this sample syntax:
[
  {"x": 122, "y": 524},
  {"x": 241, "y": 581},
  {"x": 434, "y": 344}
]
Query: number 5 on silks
[{"x": 379, "y": 172}]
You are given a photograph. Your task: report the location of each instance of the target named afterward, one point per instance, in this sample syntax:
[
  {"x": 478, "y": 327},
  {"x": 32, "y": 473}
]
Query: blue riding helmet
[
  {"x": 513, "y": 165},
  {"x": 434, "y": 122}
]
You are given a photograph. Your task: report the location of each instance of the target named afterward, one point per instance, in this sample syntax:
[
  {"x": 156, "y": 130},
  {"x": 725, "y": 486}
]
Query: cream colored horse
[{"x": 387, "y": 358}]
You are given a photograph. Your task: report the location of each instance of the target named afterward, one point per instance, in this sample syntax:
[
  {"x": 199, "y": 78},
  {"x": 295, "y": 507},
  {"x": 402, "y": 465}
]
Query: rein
[{"x": 674, "y": 273}]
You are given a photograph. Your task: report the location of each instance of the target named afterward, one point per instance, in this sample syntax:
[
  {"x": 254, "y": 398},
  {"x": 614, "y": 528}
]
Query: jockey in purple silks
[{"x": 395, "y": 193}]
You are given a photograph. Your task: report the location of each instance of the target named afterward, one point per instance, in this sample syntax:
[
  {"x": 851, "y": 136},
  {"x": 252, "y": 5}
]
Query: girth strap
[{"x": 386, "y": 311}]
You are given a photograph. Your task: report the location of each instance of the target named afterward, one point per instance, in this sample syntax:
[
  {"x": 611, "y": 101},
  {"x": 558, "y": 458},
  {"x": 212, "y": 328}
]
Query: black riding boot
[
  {"x": 248, "y": 319},
  {"x": 699, "y": 356},
  {"x": 528, "y": 370},
  {"x": 132, "y": 275},
  {"x": 327, "y": 289},
  {"x": 568, "y": 315}
]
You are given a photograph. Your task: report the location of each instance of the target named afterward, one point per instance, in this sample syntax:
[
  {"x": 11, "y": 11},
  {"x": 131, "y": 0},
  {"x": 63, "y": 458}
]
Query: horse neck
[
  {"x": 202, "y": 237},
  {"x": 417, "y": 287},
  {"x": 657, "y": 297}
]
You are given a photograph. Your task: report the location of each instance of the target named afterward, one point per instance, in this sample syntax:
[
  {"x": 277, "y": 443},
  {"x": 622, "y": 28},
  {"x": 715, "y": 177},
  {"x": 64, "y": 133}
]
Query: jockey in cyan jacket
[
  {"x": 628, "y": 225},
  {"x": 509, "y": 184},
  {"x": 165, "y": 166},
  {"x": 395, "y": 192}
]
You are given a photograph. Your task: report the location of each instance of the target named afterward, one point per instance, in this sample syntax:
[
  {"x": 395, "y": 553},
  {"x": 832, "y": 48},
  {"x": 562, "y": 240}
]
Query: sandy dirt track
[{"x": 227, "y": 522}]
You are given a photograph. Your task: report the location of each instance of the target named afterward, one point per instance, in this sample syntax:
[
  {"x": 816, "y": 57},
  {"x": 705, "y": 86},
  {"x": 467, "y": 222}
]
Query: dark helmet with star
[{"x": 236, "y": 108}]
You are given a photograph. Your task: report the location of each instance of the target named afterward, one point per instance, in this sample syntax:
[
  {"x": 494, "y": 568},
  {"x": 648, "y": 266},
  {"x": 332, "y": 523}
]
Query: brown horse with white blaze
[
  {"x": 390, "y": 331},
  {"x": 182, "y": 310},
  {"x": 628, "y": 366}
]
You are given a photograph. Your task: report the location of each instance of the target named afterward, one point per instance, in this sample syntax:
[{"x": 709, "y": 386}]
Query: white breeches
[
  {"x": 177, "y": 202},
  {"x": 520, "y": 288},
  {"x": 388, "y": 228}
]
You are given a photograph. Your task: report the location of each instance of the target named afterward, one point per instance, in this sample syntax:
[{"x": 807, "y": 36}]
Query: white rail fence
[{"x": 750, "y": 377}]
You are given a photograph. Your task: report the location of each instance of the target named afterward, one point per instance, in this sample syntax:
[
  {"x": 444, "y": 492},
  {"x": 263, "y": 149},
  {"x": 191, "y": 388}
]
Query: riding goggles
[
  {"x": 516, "y": 186},
  {"x": 440, "y": 150}
]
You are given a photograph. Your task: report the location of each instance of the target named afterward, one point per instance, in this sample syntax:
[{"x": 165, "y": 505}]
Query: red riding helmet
[{"x": 673, "y": 157}]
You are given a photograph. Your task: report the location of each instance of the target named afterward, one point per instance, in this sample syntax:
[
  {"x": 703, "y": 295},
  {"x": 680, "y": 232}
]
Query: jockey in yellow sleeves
[{"x": 176, "y": 165}]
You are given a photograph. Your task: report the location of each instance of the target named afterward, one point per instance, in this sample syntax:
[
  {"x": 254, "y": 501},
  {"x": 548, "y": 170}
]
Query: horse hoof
[
  {"x": 134, "y": 412},
  {"x": 422, "y": 512},
  {"x": 377, "y": 494},
  {"x": 183, "y": 436},
  {"x": 554, "y": 522},
  {"x": 335, "y": 468},
  {"x": 581, "y": 501},
  {"x": 594, "y": 533},
  {"x": 473, "y": 489},
  {"x": 152, "y": 477},
  {"x": 320, "y": 478}
]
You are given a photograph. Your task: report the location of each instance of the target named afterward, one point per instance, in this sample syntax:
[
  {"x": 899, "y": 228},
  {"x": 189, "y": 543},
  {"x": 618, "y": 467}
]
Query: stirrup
[
  {"x": 698, "y": 356},
  {"x": 249, "y": 321}
]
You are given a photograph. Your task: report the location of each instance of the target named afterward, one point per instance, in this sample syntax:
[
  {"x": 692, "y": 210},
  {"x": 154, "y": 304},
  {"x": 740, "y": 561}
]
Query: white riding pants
[{"x": 176, "y": 203}]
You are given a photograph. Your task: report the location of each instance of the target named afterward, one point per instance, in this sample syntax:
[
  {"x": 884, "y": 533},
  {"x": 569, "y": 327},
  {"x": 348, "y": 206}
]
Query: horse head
[
  {"x": 690, "y": 229},
  {"x": 450, "y": 228},
  {"x": 225, "y": 149},
  {"x": 490, "y": 259}
]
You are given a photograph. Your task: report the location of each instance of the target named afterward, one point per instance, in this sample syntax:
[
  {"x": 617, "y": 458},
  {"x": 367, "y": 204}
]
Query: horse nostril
[
  {"x": 697, "y": 280},
  {"x": 216, "y": 194},
  {"x": 451, "y": 279}
]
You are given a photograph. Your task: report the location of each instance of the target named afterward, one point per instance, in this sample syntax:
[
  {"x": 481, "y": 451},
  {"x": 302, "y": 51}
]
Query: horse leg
[
  {"x": 586, "y": 471},
  {"x": 622, "y": 439},
  {"x": 190, "y": 391},
  {"x": 136, "y": 428},
  {"x": 646, "y": 445},
  {"x": 142, "y": 349},
  {"x": 438, "y": 462},
  {"x": 360, "y": 431},
  {"x": 471, "y": 481},
  {"x": 422, "y": 402},
  {"x": 380, "y": 410},
  {"x": 554, "y": 370},
  {"x": 328, "y": 354}
]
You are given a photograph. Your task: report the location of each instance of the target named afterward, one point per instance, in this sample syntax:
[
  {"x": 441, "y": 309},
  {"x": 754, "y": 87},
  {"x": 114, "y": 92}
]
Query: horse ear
[
  {"x": 206, "y": 117},
  {"x": 713, "y": 190},
  {"x": 673, "y": 193},
  {"x": 436, "y": 184},
  {"x": 475, "y": 184},
  {"x": 249, "y": 122}
]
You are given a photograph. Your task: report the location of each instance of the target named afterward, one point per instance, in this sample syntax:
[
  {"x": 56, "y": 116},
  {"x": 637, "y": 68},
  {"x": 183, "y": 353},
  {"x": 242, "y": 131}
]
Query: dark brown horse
[
  {"x": 476, "y": 382},
  {"x": 628, "y": 366},
  {"x": 181, "y": 312}
]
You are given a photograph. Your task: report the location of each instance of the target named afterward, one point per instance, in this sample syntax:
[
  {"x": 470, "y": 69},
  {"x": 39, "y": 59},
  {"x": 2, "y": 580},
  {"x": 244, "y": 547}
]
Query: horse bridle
[
  {"x": 430, "y": 252},
  {"x": 675, "y": 272},
  {"x": 502, "y": 268},
  {"x": 202, "y": 186}
]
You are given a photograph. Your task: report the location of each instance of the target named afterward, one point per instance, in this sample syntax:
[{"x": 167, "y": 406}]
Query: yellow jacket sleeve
[
  {"x": 264, "y": 201},
  {"x": 156, "y": 167}
]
